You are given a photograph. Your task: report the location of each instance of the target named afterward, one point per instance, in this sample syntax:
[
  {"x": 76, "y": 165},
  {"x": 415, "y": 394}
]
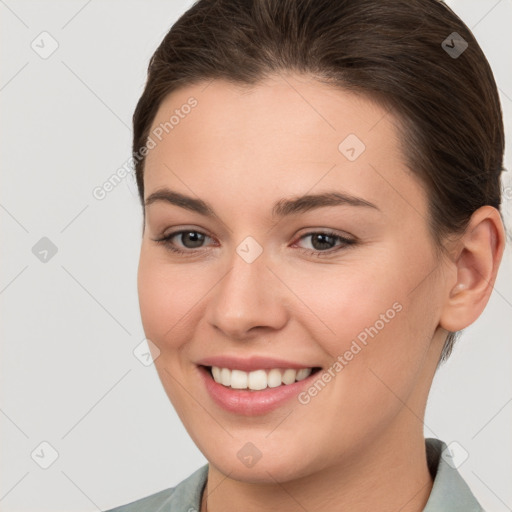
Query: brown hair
[{"x": 396, "y": 52}]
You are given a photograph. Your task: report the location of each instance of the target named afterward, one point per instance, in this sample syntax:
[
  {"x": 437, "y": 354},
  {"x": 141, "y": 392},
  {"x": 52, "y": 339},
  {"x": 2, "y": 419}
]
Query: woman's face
[{"x": 268, "y": 281}]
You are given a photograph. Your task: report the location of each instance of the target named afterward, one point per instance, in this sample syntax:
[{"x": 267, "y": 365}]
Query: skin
[{"x": 358, "y": 444}]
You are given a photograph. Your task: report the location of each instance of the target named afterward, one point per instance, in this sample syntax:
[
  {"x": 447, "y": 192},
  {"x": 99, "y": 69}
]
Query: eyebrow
[{"x": 282, "y": 208}]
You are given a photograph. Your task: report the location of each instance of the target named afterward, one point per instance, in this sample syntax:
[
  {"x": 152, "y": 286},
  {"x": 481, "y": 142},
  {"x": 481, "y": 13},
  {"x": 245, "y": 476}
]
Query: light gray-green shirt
[{"x": 450, "y": 493}]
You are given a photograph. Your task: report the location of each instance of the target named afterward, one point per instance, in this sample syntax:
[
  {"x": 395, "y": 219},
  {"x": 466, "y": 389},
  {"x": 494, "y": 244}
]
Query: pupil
[
  {"x": 326, "y": 245},
  {"x": 196, "y": 239}
]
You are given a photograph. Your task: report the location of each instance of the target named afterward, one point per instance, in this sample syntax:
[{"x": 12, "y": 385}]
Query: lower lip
[{"x": 251, "y": 403}]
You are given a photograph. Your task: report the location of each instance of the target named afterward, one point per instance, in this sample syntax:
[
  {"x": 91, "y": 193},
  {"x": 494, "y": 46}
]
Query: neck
[{"x": 391, "y": 474}]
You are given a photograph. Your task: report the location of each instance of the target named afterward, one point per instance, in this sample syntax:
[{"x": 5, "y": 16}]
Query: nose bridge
[{"x": 248, "y": 295}]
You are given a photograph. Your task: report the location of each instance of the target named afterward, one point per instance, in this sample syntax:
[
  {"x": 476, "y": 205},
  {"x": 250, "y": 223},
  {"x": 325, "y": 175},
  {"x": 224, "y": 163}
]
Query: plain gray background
[{"x": 70, "y": 323}]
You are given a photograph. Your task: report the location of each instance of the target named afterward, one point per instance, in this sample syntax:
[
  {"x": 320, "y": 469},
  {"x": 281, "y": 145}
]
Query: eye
[
  {"x": 189, "y": 238},
  {"x": 322, "y": 242},
  {"x": 191, "y": 241}
]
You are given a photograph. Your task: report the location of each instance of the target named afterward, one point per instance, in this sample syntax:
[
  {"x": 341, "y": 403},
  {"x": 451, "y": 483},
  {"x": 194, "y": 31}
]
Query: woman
[{"x": 320, "y": 183}]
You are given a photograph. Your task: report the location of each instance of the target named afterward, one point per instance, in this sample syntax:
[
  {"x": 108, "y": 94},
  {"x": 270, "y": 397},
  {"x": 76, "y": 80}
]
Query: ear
[{"x": 476, "y": 262}]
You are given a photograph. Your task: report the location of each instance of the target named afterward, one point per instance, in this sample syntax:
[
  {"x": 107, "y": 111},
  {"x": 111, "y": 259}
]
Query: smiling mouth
[{"x": 258, "y": 380}]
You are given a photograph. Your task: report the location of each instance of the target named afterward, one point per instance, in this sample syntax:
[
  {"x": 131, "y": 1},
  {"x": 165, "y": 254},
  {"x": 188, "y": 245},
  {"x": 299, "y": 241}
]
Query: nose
[{"x": 248, "y": 301}]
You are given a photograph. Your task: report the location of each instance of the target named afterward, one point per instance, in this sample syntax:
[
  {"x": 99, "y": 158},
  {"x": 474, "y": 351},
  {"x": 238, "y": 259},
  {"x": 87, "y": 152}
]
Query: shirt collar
[{"x": 449, "y": 492}]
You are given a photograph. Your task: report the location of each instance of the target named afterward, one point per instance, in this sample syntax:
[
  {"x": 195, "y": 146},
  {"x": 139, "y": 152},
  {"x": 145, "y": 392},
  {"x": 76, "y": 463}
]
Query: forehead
[{"x": 287, "y": 135}]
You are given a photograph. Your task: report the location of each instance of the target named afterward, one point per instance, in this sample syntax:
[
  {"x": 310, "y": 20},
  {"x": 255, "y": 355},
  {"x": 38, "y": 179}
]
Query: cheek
[
  {"x": 342, "y": 300},
  {"x": 387, "y": 295},
  {"x": 375, "y": 317},
  {"x": 167, "y": 296}
]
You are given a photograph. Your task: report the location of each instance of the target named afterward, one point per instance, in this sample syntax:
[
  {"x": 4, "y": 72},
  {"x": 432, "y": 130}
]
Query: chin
[{"x": 266, "y": 466}]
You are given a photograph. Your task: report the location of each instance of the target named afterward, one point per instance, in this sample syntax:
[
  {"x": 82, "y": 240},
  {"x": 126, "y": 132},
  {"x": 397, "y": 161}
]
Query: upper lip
[{"x": 251, "y": 363}]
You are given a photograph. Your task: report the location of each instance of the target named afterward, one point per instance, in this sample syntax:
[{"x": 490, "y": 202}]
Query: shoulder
[
  {"x": 150, "y": 503},
  {"x": 181, "y": 498}
]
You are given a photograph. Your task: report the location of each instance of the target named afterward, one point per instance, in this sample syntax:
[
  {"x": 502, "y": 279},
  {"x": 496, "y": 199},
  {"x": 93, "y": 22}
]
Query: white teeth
[
  {"x": 289, "y": 376},
  {"x": 258, "y": 379},
  {"x": 303, "y": 373},
  {"x": 238, "y": 379},
  {"x": 216, "y": 373},
  {"x": 225, "y": 377},
  {"x": 274, "y": 378}
]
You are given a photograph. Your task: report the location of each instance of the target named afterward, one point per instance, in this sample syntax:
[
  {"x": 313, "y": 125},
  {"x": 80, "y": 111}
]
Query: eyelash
[{"x": 346, "y": 242}]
